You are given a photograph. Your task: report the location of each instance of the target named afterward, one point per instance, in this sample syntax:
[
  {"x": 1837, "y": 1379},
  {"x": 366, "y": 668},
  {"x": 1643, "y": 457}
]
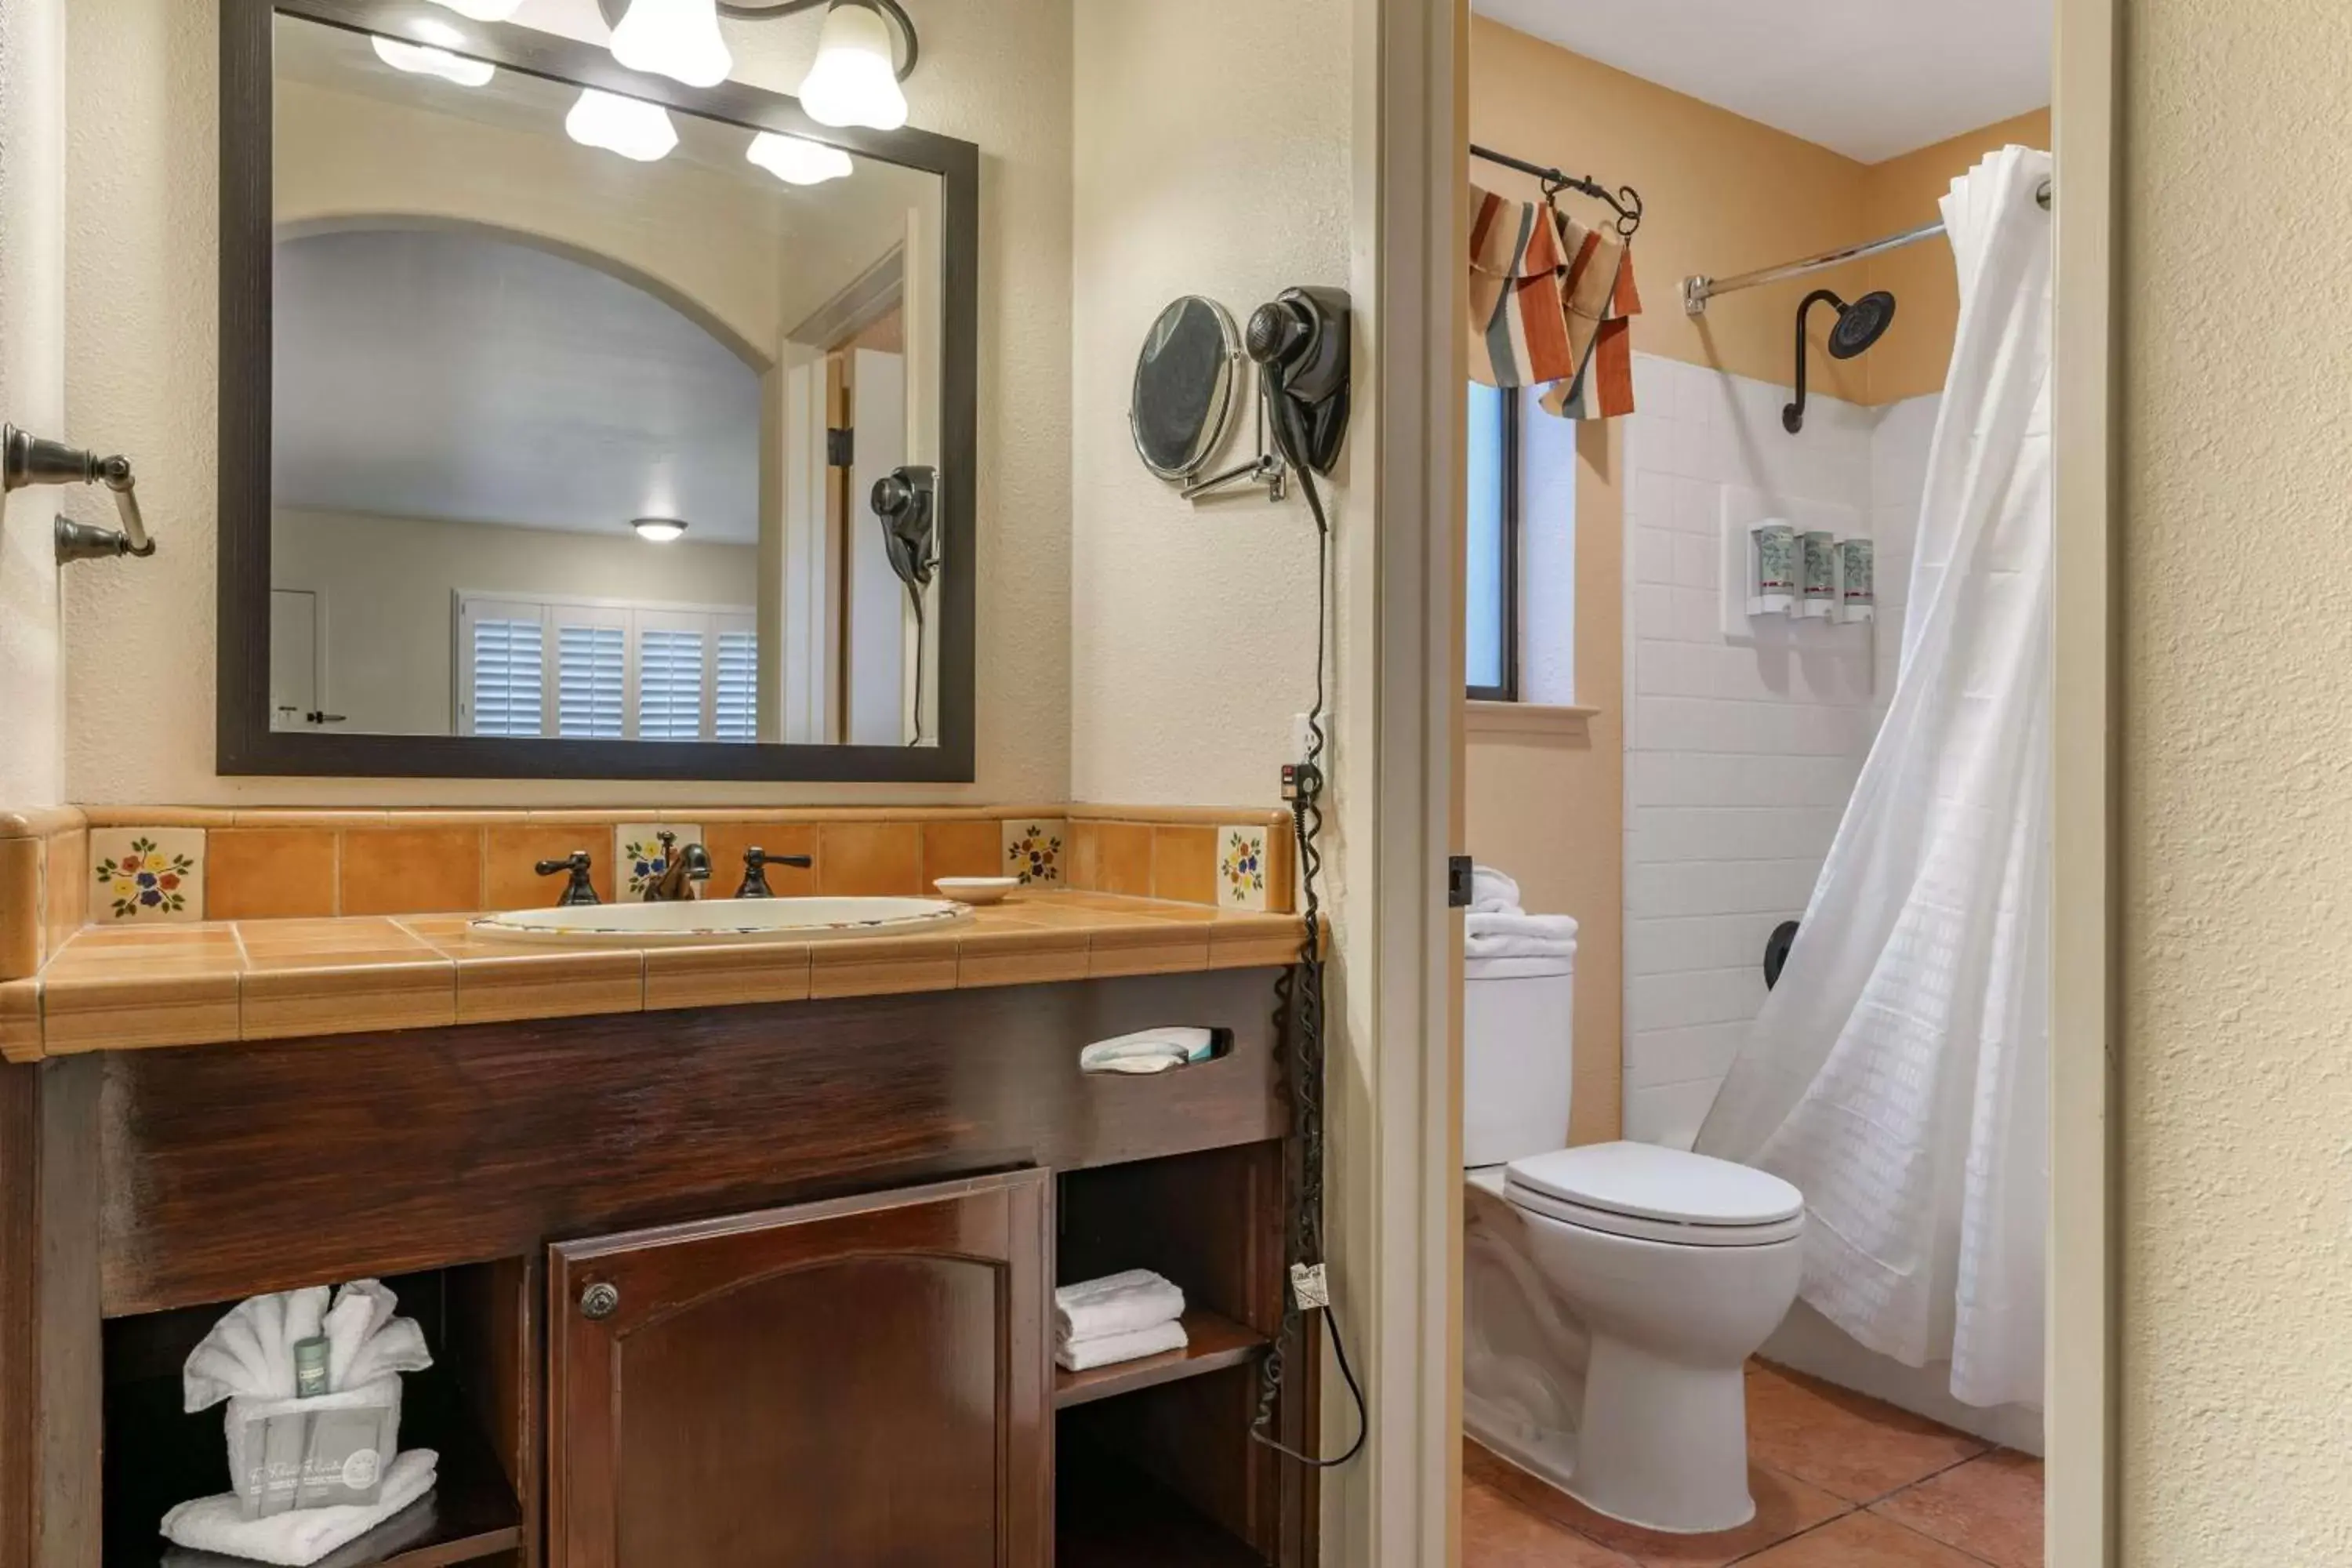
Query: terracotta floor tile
[
  {"x": 1857, "y": 1448},
  {"x": 1990, "y": 1506},
  {"x": 1498, "y": 1534},
  {"x": 1784, "y": 1506},
  {"x": 1860, "y": 1541}
]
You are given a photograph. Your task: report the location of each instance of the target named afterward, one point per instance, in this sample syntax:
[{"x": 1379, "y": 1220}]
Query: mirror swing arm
[{"x": 245, "y": 742}]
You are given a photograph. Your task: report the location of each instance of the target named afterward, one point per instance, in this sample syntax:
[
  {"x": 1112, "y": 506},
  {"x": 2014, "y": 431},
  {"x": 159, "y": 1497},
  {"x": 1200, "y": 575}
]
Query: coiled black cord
[{"x": 1299, "y": 1002}]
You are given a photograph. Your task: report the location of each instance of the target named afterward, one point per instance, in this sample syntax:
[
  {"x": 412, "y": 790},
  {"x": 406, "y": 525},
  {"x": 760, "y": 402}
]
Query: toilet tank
[{"x": 1519, "y": 1056}]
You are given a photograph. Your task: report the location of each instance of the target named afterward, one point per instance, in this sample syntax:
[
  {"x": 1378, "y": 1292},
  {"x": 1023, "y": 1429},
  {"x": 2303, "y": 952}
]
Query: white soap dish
[{"x": 977, "y": 889}]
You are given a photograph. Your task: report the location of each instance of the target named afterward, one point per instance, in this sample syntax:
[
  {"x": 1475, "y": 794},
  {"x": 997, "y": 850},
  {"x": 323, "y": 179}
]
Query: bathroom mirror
[
  {"x": 555, "y": 400},
  {"x": 1185, "y": 386}
]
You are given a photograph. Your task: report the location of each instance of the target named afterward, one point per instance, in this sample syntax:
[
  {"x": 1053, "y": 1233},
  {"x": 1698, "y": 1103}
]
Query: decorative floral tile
[
  {"x": 639, "y": 857},
  {"x": 1242, "y": 862},
  {"x": 1036, "y": 851},
  {"x": 147, "y": 874}
]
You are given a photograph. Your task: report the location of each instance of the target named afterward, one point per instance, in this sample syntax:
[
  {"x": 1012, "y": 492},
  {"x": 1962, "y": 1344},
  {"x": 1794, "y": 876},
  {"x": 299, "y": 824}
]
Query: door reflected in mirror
[{"x": 579, "y": 403}]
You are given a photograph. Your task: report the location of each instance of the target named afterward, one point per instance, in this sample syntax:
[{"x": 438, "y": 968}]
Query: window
[
  {"x": 1491, "y": 574},
  {"x": 621, "y": 671}
]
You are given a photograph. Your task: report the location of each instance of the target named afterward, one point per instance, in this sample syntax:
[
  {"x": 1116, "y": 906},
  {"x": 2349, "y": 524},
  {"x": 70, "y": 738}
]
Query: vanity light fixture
[
  {"x": 428, "y": 60},
  {"x": 483, "y": 10},
  {"x": 796, "y": 159},
  {"x": 629, "y": 126},
  {"x": 855, "y": 81},
  {"x": 659, "y": 530},
  {"x": 675, "y": 38}
]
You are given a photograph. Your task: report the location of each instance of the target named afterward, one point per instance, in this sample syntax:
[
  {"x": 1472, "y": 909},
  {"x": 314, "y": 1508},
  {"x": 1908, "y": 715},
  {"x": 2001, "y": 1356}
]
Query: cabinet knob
[{"x": 600, "y": 1300}]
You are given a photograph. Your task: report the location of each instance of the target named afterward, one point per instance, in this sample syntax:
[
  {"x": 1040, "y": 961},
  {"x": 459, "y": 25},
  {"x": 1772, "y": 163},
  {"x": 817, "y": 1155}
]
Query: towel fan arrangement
[{"x": 1551, "y": 300}]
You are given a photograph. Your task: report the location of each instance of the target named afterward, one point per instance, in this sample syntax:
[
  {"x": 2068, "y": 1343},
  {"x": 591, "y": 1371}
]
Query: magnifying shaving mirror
[{"x": 1186, "y": 385}]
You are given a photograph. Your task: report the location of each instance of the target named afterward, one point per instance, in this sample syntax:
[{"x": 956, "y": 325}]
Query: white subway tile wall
[{"x": 1738, "y": 758}]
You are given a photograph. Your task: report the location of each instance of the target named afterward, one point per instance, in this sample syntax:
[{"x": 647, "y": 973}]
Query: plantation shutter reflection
[
  {"x": 592, "y": 676},
  {"x": 509, "y": 686},
  {"x": 669, "y": 683},
  {"x": 737, "y": 702}
]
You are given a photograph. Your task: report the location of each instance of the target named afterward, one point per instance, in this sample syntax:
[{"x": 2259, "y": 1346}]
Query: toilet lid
[{"x": 1645, "y": 1181}]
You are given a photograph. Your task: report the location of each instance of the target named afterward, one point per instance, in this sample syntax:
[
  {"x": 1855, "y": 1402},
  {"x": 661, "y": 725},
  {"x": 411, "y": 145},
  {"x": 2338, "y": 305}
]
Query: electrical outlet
[{"x": 1301, "y": 737}]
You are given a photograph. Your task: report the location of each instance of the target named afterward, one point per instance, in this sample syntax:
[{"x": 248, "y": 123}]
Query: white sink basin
[{"x": 722, "y": 920}]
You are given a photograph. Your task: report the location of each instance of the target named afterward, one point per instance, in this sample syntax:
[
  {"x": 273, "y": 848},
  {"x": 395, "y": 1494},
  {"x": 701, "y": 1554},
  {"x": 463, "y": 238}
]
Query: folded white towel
[
  {"x": 302, "y": 1537},
  {"x": 1149, "y": 1050},
  {"x": 1107, "y": 1350},
  {"x": 1518, "y": 936},
  {"x": 1492, "y": 892},
  {"x": 1115, "y": 1304}
]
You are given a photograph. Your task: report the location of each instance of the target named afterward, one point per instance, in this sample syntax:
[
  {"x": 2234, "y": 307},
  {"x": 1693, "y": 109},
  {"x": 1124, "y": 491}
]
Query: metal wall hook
[{"x": 29, "y": 459}]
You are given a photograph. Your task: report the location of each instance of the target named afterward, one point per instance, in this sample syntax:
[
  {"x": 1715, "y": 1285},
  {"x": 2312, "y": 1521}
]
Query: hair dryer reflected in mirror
[
  {"x": 906, "y": 501},
  {"x": 1299, "y": 339}
]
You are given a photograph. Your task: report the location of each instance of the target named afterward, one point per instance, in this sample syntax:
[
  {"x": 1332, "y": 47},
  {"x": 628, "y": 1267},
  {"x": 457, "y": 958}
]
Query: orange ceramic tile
[
  {"x": 726, "y": 976},
  {"x": 1122, "y": 858},
  {"x": 550, "y": 986},
  {"x": 1151, "y": 950},
  {"x": 115, "y": 1012},
  {"x": 1860, "y": 1541},
  {"x": 1033, "y": 956},
  {"x": 268, "y": 873},
  {"x": 349, "y": 997},
  {"x": 1184, "y": 864},
  {"x": 869, "y": 859},
  {"x": 1496, "y": 1532},
  {"x": 1783, "y": 1507},
  {"x": 65, "y": 884},
  {"x": 352, "y": 933},
  {"x": 404, "y": 870},
  {"x": 1255, "y": 941},
  {"x": 881, "y": 966},
  {"x": 1989, "y": 1507},
  {"x": 727, "y": 841},
  {"x": 22, "y": 913},
  {"x": 20, "y": 1020},
  {"x": 1085, "y": 857},
  {"x": 511, "y": 852},
  {"x": 1858, "y": 1447},
  {"x": 962, "y": 849}
]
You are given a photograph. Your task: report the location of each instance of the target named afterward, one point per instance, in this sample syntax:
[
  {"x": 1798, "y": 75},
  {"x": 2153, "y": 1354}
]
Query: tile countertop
[{"x": 126, "y": 988}]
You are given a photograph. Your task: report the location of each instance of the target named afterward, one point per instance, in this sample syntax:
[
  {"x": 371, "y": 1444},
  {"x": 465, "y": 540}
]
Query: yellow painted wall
[
  {"x": 1722, "y": 195},
  {"x": 2235, "y": 287}
]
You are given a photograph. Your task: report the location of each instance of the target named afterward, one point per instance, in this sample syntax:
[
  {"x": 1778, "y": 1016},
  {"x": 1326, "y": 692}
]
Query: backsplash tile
[
  {"x": 269, "y": 873},
  {"x": 962, "y": 849},
  {"x": 147, "y": 875},
  {"x": 1244, "y": 871},
  {"x": 639, "y": 857},
  {"x": 1184, "y": 863},
  {"x": 409, "y": 870},
  {"x": 869, "y": 859},
  {"x": 1036, "y": 850}
]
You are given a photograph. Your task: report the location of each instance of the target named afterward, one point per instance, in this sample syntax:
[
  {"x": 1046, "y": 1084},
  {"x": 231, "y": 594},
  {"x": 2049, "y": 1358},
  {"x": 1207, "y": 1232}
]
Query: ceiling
[
  {"x": 1870, "y": 79},
  {"x": 439, "y": 374}
]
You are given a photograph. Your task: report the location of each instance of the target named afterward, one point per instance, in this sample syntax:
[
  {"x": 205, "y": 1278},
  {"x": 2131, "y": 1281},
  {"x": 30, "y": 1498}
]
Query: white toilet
[{"x": 1614, "y": 1292}]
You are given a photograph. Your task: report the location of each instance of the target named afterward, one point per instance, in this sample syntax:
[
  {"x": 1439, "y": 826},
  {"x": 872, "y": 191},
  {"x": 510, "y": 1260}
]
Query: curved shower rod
[{"x": 1626, "y": 202}]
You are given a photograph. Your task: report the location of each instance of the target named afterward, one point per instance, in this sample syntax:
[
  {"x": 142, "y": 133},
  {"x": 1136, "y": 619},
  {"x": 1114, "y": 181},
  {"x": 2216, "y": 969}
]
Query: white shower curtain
[{"x": 1898, "y": 1073}]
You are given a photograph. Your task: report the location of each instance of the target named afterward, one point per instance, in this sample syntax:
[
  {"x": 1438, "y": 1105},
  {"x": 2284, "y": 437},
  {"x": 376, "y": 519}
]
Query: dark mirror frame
[{"x": 245, "y": 742}]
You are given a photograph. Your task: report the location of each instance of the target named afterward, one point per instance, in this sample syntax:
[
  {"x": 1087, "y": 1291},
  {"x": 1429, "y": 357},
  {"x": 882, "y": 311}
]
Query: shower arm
[
  {"x": 1792, "y": 417},
  {"x": 1698, "y": 289}
]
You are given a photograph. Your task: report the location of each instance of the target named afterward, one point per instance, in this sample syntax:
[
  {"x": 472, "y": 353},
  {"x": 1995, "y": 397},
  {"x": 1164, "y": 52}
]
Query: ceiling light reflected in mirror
[
  {"x": 483, "y": 10},
  {"x": 797, "y": 161},
  {"x": 628, "y": 126},
  {"x": 659, "y": 530},
  {"x": 424, "y": 59}
]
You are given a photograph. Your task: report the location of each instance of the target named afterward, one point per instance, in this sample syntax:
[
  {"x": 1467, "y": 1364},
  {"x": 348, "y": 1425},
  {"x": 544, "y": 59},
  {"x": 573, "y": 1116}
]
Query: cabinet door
[{"x": 861, "y": 1382}]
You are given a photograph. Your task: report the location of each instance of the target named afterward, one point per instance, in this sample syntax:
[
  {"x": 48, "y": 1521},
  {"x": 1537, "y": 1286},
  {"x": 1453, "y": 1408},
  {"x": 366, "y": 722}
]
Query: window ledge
[{"x": 1526, "y": 719}]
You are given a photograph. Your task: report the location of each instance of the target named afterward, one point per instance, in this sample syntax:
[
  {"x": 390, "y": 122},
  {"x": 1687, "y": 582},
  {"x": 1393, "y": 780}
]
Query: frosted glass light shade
[
  {"x": 675, "y": 38},
  {"x": 628, "y": 126},
  {"x": 796, "y": 159},
  {"x": 855, "y": 81},
  {"x": 483, "y": 10},
  {"x": 424, "y": 59},
  {"x": 659, "y": 530}
]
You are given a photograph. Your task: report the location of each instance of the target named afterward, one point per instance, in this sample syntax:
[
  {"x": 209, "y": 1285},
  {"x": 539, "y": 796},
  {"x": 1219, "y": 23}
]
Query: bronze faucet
[{"x": 682, "y": 866}]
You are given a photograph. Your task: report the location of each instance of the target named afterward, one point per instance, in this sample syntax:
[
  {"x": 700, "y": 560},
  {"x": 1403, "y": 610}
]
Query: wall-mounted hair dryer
[
  {"x": 1299, "y": 339},
  {"x": 905, "y": 499}
]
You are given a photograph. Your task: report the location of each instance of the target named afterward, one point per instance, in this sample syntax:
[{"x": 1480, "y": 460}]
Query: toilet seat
[{"x": 1654, "y": 1193}]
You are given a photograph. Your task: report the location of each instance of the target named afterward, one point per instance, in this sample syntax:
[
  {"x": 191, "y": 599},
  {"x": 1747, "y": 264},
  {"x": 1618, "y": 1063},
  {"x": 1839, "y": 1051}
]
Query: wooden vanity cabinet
[{"x": 865, "y": 1381}]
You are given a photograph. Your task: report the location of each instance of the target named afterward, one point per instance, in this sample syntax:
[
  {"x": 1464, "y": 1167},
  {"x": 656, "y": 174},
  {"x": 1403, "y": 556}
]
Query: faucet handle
[
  {"x": 580, "y": 889},
  {"x": 756, "y": 862}
]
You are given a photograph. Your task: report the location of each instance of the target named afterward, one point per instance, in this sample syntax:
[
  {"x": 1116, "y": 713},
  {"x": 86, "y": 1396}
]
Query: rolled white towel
[
  {"x": 1492, "y": 892},
  {"x": 1109, "y": 1350},
  {"x": 293, "y": 1539},
  {"x": 1115, "y": 1304}
]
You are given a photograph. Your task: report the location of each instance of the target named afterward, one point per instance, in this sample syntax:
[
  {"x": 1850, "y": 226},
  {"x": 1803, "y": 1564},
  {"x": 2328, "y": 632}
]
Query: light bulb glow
[
  {"x": 855, "y": 81},
  {"x": 424, "y": 59},
  {"x": 629, "y": 126},
  {"x": 675, "y": 38},
  {"x": 658, "y": 530},
  {"x": 796, "y": 159},
  {"x": 483, "y": 10}
]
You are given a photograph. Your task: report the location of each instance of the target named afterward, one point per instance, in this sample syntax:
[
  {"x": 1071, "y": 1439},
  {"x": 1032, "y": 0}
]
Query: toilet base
[{"x": 1661, "y": 1444}]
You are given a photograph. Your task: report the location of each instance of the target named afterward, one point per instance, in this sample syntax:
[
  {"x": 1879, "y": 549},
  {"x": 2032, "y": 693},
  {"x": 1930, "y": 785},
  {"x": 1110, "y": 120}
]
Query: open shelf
[
  {"x": 1215, "y": 1344},
  {"x": 1108, "y": 1514},
  {"x": 158, "y": 1457}
]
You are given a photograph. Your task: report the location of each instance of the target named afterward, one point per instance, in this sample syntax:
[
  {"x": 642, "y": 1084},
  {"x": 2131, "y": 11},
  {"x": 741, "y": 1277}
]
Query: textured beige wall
[
  {"x": 141, "y": 303},
  {"x": 32, "y": 391},
  {"x": 2235, "y": 284},
  {"x": 1213, "y": 156}
]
